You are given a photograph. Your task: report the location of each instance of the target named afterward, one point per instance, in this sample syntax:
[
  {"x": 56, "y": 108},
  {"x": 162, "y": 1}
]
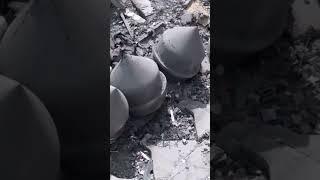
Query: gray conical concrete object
[
  {"x": 141, "y": 82},
  {"x": 180, "y": 52},
  {"x": 119, "y": 112},
  {"x": 30, "y": 147}
]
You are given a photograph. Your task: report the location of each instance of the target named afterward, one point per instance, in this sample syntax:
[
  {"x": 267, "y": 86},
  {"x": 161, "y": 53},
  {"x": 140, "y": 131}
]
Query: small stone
[
  {"x": 186, "y": 18},
  {"x": 117, "y": 40},
  {"x": 184, "y": 141},
  {"x": 204, "y": 20},
  {"x": 139, "y": 51},
  {"x": 205, "y": 65}
]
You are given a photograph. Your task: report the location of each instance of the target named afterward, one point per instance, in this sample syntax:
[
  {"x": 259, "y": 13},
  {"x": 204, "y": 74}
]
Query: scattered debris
[
  {"x": 173, "y": 121},
  {"x": 151, "y": 32},
  {"x": 127, "y": 25}
]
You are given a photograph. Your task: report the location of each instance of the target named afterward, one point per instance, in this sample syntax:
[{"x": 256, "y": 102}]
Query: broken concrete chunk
[
  {"x": 174, "y": 160},
  {"x": 201, "y": 114},
  {"x": 144, "y": 7},
  {"x": 134, "y": 16},
  {"x": 202, "y": 19},
  {"x": 197, "y": 8},
  {"x": 205, "y": 65}
]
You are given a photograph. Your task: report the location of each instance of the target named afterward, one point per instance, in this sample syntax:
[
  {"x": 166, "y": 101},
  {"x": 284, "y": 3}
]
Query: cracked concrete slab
[{"x": 176, "y": 160}]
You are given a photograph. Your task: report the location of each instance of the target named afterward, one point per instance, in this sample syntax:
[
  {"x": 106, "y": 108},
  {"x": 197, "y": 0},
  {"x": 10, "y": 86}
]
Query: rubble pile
[{"x": 136, "y": 28}]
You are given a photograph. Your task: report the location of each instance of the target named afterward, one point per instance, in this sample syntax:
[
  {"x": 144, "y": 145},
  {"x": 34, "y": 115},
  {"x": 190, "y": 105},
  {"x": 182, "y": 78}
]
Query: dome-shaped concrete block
[
  {"x": 30, "y": 147},
  {"x": 142, "y": 83},
  {"x": 180, "y": 52},
  {"x": 119, "y": 112}
]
